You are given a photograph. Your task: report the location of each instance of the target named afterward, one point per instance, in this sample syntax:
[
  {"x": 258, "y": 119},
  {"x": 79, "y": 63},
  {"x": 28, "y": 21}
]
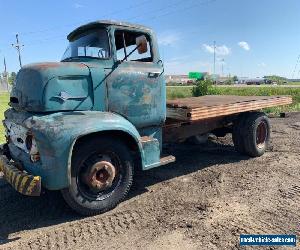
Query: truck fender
[
  {"x": 57, "y": 133},
  {"x": 104, "y": 130}
]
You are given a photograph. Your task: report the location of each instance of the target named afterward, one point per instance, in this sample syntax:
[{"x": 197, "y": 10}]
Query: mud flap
[{"x": 22, "y": 182}]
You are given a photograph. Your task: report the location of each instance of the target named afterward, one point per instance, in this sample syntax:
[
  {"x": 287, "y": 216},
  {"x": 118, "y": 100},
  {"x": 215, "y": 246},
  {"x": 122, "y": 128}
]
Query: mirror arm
[
  {"x": 162, "y": 64},
  {"x": 130, "y": 53}
]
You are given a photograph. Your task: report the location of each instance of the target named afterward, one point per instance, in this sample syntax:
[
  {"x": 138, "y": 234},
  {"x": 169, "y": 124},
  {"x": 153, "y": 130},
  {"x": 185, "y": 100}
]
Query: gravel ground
[{"x": 205, "y": 200}]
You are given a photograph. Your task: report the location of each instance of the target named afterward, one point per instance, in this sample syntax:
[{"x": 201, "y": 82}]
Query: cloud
[
  {"x": 244, "y": 45},
  {"x": 184, "y": 64},
  {"x": 168, "y": 38},
  {"x": 262, "y": 64},
  {"x": 222, "y": 50},
  {"x": 78, "y": 5}
]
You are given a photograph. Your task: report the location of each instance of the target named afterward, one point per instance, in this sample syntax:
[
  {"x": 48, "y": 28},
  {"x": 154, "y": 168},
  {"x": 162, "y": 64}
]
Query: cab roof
[{"x": 103, "y": 23}]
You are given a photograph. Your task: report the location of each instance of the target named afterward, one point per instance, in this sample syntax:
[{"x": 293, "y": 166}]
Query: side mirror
[{"x": 141, "y": 43}]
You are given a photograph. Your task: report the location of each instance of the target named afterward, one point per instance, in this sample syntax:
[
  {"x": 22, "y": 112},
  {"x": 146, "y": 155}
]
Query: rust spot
[
  {"x": 47, "y": 65},
  {"x": 80, "y": 65},
  {"x": 145, "y": 139},
  {"x": 100, "y": 176}
]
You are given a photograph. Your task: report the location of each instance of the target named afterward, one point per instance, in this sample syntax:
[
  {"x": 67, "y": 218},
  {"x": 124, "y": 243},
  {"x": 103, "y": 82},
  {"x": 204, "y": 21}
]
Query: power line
[
  {"x": 45, "y": 40},
  {"x": 133, "y": 6},
  {"x": 169, "y": 6},
  {"x": 298, "y": 59},
  {"x": 77, "y": 23},
  {"x": 176, "y": 4},
  {"x": 174, "y": 10}
]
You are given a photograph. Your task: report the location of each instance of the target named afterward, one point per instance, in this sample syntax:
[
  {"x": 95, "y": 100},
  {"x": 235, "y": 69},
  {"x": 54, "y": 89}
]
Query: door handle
[{"x": 154, "y": 74}]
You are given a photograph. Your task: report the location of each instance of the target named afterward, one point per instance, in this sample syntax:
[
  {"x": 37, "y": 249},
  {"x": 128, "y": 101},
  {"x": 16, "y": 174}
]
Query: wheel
[
  {"x": 256, "y": 134},
  {"x": 237, "y": 130},
  {"x": 101, "y": 175}
]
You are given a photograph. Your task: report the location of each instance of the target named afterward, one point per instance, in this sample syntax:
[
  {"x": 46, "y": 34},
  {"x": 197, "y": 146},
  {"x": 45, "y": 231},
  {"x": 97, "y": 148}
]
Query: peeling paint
[
  {"x": 113, "y": 97},
  {"x": 55, "y": 135}
]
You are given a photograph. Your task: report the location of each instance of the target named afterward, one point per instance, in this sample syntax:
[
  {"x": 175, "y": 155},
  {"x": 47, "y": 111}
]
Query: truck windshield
[{"x": 93, "y": 43}]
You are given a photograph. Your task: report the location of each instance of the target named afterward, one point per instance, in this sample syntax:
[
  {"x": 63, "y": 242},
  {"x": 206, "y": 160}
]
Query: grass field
[
  {"x": 181, "y": 92},
  {"x": 3, "y": 106},
  {"x": 294, "y": 83}
]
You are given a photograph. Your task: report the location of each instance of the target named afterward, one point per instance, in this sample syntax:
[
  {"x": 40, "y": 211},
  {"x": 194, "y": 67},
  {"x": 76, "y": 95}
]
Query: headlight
[
  {"x": 28, "y": 142},
  {"x": 32, "y": 148}
]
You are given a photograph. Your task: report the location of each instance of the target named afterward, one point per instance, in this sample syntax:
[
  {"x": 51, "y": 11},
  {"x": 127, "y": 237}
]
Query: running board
[
  {"x": 163, "y": 161},
  {"x": 167, "y": 159},
  {"x": 151, "y": 153}
]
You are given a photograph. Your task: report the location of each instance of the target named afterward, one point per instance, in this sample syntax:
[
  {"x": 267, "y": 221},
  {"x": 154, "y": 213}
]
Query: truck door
[{"x": 136, "y": 88}]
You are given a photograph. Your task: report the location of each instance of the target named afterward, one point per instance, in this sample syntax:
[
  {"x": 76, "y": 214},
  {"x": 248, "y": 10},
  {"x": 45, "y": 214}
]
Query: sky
[{"x": 253, "y": 38}]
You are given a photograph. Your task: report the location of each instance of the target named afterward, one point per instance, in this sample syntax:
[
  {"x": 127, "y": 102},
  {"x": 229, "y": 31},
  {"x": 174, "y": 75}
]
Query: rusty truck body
[{"x": 82, "y": 125}]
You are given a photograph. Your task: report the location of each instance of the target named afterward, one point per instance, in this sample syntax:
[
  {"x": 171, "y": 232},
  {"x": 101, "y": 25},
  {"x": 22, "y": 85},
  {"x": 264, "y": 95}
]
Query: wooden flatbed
[{"x": 212, "y": 106}]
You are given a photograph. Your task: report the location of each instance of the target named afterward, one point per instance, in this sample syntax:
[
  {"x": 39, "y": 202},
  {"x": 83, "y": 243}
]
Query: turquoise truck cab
[{"x": 109, "y": 87}]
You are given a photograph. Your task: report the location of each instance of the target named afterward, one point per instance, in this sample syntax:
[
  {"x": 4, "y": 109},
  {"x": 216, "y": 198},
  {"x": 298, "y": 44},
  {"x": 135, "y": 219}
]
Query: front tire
[{"x": 101, "y": 175}]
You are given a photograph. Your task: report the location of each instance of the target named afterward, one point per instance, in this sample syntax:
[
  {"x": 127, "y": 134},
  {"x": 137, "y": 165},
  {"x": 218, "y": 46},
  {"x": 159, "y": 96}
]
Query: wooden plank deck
[{"x": 198, "y": 108}]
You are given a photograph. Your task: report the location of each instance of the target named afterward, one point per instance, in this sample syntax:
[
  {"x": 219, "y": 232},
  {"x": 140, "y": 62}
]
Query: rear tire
[
  {"x": 256, "y": 134},
  {"x": 101, "y": 175},
  {"x": 237, "y": 133}
]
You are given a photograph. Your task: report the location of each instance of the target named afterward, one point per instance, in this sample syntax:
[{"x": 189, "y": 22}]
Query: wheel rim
[
  {"x": 99, "y": 175},
  {"x": 261, "y": 134}
]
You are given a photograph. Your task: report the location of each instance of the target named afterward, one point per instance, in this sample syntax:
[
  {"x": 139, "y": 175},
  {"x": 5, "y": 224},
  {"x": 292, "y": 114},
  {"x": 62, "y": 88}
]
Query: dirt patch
[{"x": 205, "y": 200}]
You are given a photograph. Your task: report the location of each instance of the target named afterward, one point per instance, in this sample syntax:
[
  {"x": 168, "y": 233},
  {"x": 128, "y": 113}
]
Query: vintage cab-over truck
[{"x": 84, "y": 124}]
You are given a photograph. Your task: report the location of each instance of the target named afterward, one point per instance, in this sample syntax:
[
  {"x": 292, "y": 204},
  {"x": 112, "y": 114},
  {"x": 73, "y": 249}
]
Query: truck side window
[{"x": 126, "y": 42}]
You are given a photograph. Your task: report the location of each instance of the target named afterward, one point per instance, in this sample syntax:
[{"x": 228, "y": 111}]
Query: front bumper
[{"x": 22, "y": 182}]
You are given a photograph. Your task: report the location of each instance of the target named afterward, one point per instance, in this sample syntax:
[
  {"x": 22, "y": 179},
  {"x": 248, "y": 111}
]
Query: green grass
[
  {"x": 294, "y": 83},
  {"x": 180, "y": 92},
  {"x": 3, "y": 106}
]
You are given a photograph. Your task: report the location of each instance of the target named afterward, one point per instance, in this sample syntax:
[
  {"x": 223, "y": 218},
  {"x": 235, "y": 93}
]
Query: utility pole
[
  {"x": 215, "y": 62},
  {"x": 5, "y": 73},
  {"x": 222, "y": 66},
  {"x": 214, "y": 57},
  {"x": 18, "y": 48}
]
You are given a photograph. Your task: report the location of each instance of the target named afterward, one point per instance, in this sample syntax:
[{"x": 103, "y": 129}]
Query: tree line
[{"x": 11, "y": 77}]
